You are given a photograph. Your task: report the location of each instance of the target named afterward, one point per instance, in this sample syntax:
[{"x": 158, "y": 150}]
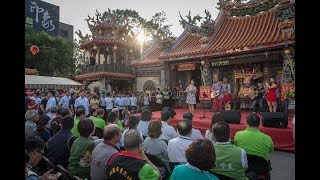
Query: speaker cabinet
[
  {"x": 172, "y": 112},
  {"x": 231, "y": 116},
  {"x": 274, "y": 119}
]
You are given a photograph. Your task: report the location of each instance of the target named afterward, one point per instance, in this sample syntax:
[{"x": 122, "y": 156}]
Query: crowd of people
[{"x": 97, "y": 137}]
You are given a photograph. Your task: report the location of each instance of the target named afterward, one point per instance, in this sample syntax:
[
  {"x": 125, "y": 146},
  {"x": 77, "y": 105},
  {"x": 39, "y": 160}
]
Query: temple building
[{"x": 255, "y": 38}]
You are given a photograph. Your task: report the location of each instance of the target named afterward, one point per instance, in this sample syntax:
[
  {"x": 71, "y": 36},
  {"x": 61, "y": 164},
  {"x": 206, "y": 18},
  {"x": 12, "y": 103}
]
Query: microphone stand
[{"x": 203, "y": 94}]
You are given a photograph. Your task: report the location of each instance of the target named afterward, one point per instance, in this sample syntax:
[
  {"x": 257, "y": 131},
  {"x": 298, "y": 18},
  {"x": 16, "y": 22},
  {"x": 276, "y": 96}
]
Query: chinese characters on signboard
[
  {"x": 186, "y": 66},
  {"x": 220, "y": 63},
  {"x": 42, "y": 16}
]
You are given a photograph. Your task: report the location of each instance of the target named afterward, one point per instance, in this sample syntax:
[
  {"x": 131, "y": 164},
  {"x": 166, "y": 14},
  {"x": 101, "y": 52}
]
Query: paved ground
[{"x": 283, "y": 165}]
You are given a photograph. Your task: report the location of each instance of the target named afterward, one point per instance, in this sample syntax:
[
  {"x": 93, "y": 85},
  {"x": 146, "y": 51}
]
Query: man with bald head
[
  {"x": 178, "y": 145},
  {"x": 105, "y": 152},
  {"x": 132, "y": 163}
]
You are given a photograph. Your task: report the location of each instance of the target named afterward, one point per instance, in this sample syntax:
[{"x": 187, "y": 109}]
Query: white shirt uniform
[
  {"x": 168, "y": 131},
  {"x": 177, "y": 147}
]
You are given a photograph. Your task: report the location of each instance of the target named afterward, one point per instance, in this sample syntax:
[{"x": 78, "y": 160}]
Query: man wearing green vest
[
  {"x": 231, "y": 160},
  {"x": 80, "y": 115}
]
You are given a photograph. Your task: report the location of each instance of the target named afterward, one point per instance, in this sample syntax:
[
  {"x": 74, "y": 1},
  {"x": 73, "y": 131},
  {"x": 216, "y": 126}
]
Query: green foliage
[{"x": 55, "y": 56}]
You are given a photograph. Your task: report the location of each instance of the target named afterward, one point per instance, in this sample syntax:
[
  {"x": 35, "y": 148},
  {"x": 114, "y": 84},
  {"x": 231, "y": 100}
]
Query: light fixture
[
  {"x": 115, "y": 47},
  {"x": 130, "y": 50},
  {"x": 203, "y": 62},
  {"x": 95, "y": 47}
]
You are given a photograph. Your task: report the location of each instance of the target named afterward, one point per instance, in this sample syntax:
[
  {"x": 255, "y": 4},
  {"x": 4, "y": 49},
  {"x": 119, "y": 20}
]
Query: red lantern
[{"x": 34, "y": 49}]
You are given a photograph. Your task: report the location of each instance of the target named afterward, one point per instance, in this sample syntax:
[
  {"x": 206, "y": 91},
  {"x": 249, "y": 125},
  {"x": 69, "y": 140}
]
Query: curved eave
[{"x": 98, "y": 75}]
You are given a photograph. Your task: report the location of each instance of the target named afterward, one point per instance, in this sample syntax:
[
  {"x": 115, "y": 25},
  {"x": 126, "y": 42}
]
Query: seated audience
[
  {"x": 144, "y": 122},
  {"x": 34, "y": 151},
  {"x": 252, "y": 140},
  {"x": 58, "y": 149},
  {"x": 80, "y": 115},
  {"x": 92, "y": 113},
  {"x": 178, "y": 145},
  {"x": 155, "y": 146},
  {"x": 42, "y": 130},
  {"x": 231, "y": 160},
  {"x": 168, "y": 131},
  {"x": 201, "y": 158},
  {"x": 196, "y": 134},
  {"x": 216, "y": 117},
  {"x": 81, "y": 150},
  {"x": 117, "y": 121},
  {"x": 99, "y": 123},
  {"x": 133, "y": 162},
  {"x": 133, "y": 123},
  {"x": 105, "y": 152},
  {"x": 30, "y": 125}
]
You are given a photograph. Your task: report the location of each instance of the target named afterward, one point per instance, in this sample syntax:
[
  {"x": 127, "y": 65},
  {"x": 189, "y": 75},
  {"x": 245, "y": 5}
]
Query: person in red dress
[{"x": 271, "y": 95}]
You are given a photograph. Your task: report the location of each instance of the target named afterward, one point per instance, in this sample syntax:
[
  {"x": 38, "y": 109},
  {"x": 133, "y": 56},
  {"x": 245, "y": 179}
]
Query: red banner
[
  {"x": 204, "y": 93},
  {"x": 286, "y": 87},
  {"x": 186, "y": 66}
]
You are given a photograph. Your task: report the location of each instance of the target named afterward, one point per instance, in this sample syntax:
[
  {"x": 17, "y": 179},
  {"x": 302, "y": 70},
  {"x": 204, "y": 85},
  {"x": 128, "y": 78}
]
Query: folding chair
[{"x": 260, "y": 166}]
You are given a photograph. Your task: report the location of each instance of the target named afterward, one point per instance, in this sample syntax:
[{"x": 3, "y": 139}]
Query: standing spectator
[
  {"x": 252, "y": 140},
  {"x": 37, "y": 100},
  {"x": 81, "y": 100},
  {"x": 166, "y": 97},
  {"x": 133, "y": 104},
  {"x": 146, "y": 99},
  {"x": 144, "y": 122},
  {"x": 58, "y": 145},
  {"x": 43, "y": 104},
  {"x": 134, "y": 163},
  {"x": 155, "y": 146},
  {"x": 65, "y": 100},
  {"x": 125, "y": 114},
  {"x": 159, "y": 98},
  {"x": 71, "y": 103},
  {"x": 94, "y": 102},
  {"x": 102, "y": 101},
  {"x": 81, "y": 150},
  {"x": 99, "y": 123},
  {"x": 231, "y": 160},
  {"x": 105, "y": 152},
  {"x": 32, "y": 104},
  {"x": 120, "y": 104},
  {"x": 178, "y": 145},
  {"x": 30, "y": 125},
  {"x": 71, "y": 90},
  {"x": 92, "y": 114},
  {"x": 109, "y": 104},
  {"x": 168, "y": 131},
  {"x": 201, "y": 158},
  {"x": 51, "y": 101}
]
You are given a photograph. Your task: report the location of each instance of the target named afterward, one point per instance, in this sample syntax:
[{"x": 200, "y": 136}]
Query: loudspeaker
[
  {"x": 274, "y": 119},
  {"x": 172, "y": 112},
  {"x": 231, "y": 116}
]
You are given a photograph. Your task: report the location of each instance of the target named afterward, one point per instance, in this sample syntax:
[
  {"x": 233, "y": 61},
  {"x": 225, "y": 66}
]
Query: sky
[{"x": 75, "y": 12}]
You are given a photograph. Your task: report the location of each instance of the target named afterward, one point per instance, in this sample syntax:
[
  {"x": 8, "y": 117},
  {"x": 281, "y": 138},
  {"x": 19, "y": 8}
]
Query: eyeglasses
[{"x": 41, "y": 152}]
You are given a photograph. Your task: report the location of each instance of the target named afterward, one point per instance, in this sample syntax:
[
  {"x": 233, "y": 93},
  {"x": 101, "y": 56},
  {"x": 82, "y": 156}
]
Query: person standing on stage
[
  {"x": 166, "y": 97},
  {"x": 271, "y": 95},
  {"x": 259, "y": 93},
  {"x": 191, "y": 91},
  {"x": 218, "y": 88}
]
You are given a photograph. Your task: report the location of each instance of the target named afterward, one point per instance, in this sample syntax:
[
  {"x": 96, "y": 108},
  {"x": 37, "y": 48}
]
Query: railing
[{"x": 116, "y": 68}]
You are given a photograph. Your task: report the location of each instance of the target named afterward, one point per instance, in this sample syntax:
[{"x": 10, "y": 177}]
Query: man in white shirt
[
  {"x": 133, "y": 103},
  {"x": 82, "y": 100},
  {"x": 51, "y": 101},
  {"x": 168, "y": 131},
  {"x": 196, "y": 134},
  {"x": 178, "y": 145},
  {"x": 120, "y": 104},
  {"x": 109, "y": 104},
  {"x": 64, "y": 102}
]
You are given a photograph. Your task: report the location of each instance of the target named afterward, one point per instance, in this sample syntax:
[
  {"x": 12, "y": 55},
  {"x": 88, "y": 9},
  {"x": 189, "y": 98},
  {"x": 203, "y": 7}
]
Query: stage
[{"x": 282, "y": 138}]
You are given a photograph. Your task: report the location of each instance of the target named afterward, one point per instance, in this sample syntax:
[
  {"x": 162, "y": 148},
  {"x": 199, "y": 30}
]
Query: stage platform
[{"x": 282, "y": 138}]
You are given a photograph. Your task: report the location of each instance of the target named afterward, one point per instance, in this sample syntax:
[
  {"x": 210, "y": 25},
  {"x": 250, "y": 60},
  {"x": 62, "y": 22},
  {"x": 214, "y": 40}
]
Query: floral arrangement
[{"x": 290, "y": 94}]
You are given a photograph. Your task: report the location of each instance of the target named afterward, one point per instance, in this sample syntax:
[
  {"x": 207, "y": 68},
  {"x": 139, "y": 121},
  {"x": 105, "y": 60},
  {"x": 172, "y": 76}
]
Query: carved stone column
[{"x": 207, "y": 74}]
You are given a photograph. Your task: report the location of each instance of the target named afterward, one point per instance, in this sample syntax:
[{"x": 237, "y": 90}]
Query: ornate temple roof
[
  {"x": 28, "y": 71},
  {"x": 238, "y": 28},
  {"x": 97, "y": 75}
]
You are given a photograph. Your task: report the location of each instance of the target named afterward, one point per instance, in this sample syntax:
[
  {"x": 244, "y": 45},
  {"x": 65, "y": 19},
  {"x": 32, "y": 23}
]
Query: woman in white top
[
  {"x": 159, "y": 98},
  {"x": 133, "y": 123}
]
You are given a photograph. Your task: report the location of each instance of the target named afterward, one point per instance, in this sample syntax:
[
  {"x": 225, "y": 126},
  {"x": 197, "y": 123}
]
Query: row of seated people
[{"x": 93, "y": 159}]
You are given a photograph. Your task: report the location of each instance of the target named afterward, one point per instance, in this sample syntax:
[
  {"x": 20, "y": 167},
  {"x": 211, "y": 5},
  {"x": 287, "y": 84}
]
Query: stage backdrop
[{"x": 204, "y": 94}]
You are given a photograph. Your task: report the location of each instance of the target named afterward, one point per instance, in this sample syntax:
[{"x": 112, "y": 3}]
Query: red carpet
[{"x": 282, "y": 138}]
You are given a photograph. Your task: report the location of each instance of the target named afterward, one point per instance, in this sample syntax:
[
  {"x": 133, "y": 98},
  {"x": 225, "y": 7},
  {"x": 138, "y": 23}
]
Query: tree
[
  {"x": 78, "y": 57},
  {"x": 55, "y": 56}
]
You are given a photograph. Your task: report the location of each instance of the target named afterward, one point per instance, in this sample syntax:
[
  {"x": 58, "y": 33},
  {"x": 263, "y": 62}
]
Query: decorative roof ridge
[
  {"x": 176, "y": 42},
  {"x": 155, "y": 44}
]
